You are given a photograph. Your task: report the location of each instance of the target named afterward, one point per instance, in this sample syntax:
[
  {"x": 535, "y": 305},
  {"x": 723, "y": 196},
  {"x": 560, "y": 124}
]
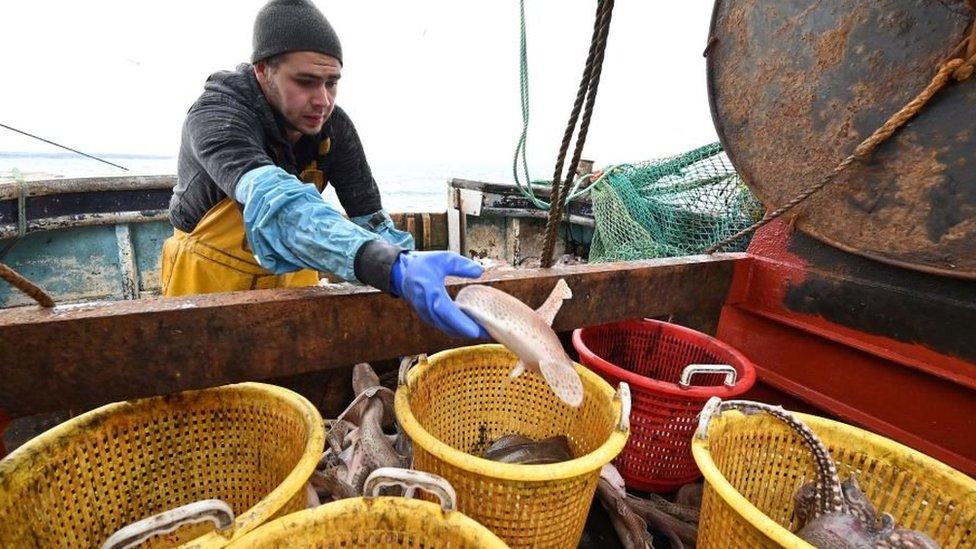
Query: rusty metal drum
[{"x": 796, "y": 86}]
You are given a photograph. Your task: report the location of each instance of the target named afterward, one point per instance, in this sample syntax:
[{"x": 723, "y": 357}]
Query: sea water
[{"x": 403, "y": 187}]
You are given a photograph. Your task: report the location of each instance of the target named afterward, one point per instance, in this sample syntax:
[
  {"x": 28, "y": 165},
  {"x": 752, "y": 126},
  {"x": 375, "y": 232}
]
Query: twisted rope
[{"x": 587, "y": 91}]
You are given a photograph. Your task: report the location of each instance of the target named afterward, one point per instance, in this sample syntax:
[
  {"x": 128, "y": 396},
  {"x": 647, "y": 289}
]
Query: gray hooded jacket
[{"x": 232, "y": 129}]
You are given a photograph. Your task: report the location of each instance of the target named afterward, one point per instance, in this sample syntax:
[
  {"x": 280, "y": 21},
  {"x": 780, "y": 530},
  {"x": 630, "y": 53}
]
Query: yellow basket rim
[
  {"x": 775, "y": 531},
  {"x": 579, "y": 466},
  {"x": 244, "y": 522},
  {"x": 277, "y": 528}
]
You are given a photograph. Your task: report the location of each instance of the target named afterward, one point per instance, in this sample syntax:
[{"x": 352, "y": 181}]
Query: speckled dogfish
[{"x": 527, "y": 333}]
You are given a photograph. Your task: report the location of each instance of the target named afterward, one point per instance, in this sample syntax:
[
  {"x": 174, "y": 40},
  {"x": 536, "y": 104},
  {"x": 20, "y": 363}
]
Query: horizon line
[{"x": 25, "y": 154}]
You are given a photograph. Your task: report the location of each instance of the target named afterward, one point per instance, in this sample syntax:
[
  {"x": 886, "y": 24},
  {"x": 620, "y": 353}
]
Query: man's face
[{"x": 303, "y": 89}]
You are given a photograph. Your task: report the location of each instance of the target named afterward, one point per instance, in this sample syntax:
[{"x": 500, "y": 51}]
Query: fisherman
[{"x": 258, "y": 148}]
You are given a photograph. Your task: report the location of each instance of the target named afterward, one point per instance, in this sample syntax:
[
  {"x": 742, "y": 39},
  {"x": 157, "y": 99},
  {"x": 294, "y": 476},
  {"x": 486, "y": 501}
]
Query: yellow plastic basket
[
  {"x": 252, "y": 445},
  {"x": 753, "y": 465},
  {"x": 457, "y": 402},
  {"x": 384, "y": 522}
]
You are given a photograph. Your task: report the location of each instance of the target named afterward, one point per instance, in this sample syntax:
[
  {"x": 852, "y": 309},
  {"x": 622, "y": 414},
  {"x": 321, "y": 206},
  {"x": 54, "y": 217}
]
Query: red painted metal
[{"x": 904, "y": 390}]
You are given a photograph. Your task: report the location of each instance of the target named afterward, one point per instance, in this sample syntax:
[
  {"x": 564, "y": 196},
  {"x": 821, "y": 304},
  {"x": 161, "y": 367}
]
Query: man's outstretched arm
[{"x": 290, "y": 227}]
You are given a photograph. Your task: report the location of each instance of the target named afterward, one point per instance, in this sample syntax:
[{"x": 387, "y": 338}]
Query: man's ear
[{"x": 261, "y": 71}]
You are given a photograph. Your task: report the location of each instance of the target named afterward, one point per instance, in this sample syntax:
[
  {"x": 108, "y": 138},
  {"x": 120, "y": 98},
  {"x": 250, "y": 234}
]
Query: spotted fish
[{"x": 527, "y": 333}]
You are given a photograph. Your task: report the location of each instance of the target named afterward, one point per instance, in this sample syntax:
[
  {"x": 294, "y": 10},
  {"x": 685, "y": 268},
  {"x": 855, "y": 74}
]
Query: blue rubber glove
[{"x": 419, "y": 278}]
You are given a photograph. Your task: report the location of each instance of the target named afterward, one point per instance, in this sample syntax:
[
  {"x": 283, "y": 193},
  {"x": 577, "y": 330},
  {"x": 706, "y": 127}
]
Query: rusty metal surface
[
  {"x": 82, "y": 356},
  {"x": 795, "y": 86}
]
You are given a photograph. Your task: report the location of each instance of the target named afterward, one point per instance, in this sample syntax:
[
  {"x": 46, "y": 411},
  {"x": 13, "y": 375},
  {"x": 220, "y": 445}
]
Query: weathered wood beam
[
  {"x": 11, "y": 189},
  {"x": 429, "y": 230},
  {"x": 82, "y": 356}
]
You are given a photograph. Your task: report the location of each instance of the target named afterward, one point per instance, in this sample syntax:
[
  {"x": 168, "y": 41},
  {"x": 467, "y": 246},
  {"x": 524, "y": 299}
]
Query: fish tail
[{"x": 562, "y": 289}]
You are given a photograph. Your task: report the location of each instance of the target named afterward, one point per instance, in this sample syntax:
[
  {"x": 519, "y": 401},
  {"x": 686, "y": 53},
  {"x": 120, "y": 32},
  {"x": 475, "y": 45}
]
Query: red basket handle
[
  {"x": 692, "y": 369},
  {"x": 207, "y": 510}
]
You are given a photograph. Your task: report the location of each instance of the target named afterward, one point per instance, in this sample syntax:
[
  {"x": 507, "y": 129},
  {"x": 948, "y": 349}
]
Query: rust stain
[
  {"x": 832, "y": 45},
  {"x": 79, "y": 357},
  {"x": 795, "y": 88}
]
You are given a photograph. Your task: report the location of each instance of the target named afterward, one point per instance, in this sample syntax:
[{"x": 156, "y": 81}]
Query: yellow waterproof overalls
[{"x": 216, "y": 257}]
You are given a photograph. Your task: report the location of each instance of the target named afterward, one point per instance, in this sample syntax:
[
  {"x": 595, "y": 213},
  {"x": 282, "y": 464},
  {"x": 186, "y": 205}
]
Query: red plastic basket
[{"x": 651, "y": 356}]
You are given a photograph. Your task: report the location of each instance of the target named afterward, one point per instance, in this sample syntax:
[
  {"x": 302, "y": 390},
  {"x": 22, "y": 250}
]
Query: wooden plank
[
  {"x": 431, "y": 235},
  {"x": 498, "y": 195},
  {"x": 84, "y": 220},
  {"x": 412, "y": 226},
  {"x": 10, "y": 189},
  {"x": 512, "y": 240},
  {"x": 438, "y": 231},
  {"x": 425, "y": 229},
  {"x": 83, "y": 356},
  {"x": 505, "y": 189},
  {"x": 127, "y": 262},
  {"x": 454, "y": 228}
]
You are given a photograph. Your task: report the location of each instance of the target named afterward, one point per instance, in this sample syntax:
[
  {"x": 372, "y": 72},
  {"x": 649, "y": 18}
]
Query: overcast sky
[{"x": 424, "y": 81}]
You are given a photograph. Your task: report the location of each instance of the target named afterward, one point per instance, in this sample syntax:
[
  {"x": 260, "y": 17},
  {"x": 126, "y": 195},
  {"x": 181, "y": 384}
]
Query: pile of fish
[
  {"x": 360, "y": 441},
  {"x": 634, "y": 518},
  {"x": 830, "y": 514},
  {"x": 630, "y": 515},
  {"x": 365, "y": 436}
]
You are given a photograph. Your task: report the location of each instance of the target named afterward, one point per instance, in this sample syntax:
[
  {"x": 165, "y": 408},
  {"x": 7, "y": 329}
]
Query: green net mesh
[{"x": 669, "y": 207}]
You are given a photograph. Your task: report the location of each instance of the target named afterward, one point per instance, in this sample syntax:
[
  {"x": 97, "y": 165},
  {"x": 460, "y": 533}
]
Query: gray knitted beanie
[{"x": 293, "y": 25}]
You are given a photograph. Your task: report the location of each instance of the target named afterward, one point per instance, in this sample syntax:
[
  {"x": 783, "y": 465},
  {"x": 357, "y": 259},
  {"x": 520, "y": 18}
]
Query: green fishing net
[{"x": 669, "y": 207}]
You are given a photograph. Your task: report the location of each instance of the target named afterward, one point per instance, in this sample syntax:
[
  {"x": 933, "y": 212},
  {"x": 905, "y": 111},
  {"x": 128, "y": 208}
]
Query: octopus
[{"x": 830, "y": 514}]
